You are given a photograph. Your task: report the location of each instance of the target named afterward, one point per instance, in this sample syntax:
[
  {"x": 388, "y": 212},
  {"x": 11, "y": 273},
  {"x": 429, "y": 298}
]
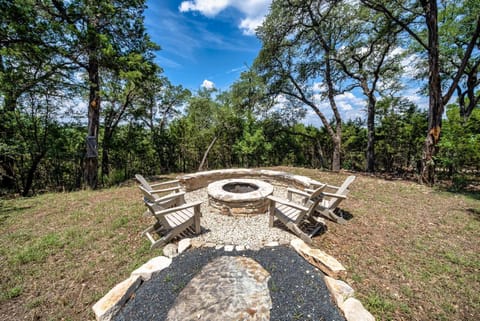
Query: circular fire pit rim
[{"x": 216, "y": 190}]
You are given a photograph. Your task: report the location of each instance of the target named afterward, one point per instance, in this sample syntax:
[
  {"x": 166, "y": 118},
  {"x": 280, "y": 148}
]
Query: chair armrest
[
  {"x": 335, "y": 195},
  {"x": 297, "y": 191},
  {"x": 168, "y": 197},
  {"x": 178, "y": 208},
  {"x": 170, "y": 189},
  {"x": 175, "y": 181},
  {"x": 287, "y": 203}
]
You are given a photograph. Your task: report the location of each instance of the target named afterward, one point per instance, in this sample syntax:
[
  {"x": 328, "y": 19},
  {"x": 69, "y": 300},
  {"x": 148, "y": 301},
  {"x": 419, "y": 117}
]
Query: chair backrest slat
[
  {"x": 343, "y": 189},
  {"x": 143, "y": 181}
]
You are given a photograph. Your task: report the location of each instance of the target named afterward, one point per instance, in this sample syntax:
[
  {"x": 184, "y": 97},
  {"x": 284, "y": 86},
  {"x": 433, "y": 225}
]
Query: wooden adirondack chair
[
  {"x": 296, "y": 216},
  {"x": 172, "y": 222},
  {"x": 173, "y": 197},
  {"x": 328, "y": 206}
]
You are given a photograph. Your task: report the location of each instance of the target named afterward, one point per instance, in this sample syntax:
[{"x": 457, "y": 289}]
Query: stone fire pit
[{"x": 239, "y": 196}]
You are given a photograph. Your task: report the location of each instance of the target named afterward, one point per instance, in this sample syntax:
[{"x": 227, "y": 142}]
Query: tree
[
  {"x": 460, "y": 144},
  {"x": 30, "y": 60},
  {"x": 368, "y": 59},
  {"x": 99, "y": 35},
  {"x": 299, "y": 41},
  {"x": 160, "y": 101},
  {"x": 419, "y": 20},
  {"x": 400, "y": 128},
  {"x": 122, "y": 91}
]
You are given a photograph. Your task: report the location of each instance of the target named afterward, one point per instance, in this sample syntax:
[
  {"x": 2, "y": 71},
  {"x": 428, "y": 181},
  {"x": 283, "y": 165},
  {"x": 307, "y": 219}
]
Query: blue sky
[
  {"x": 205, "y": 42},
  {"x": 210, "y": 42}
]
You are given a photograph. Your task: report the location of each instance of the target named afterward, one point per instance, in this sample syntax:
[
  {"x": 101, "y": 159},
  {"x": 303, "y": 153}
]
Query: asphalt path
[{"x": 297, "y": 289}]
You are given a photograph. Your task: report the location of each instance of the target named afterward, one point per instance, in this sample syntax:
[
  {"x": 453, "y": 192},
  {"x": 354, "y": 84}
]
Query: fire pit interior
[
  {"x": 239, "y": 196},
  {"x": 240, "y": 187}
]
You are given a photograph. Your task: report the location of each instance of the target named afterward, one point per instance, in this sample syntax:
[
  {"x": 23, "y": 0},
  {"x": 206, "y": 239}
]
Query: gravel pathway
[
  {"x": 297, "y": 289},
  {"x": 237, "y": 230}
]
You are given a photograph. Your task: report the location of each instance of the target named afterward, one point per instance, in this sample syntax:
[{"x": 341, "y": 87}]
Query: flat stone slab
[
  {"x": 106, "y": 308},
  {"x": 228, "y": 288},
  {"x": 340, "y": 290},
  {"x": 153, "y": 265},
  {"x": 354, "y": 311},
  {"x": 328, "y": 264}
]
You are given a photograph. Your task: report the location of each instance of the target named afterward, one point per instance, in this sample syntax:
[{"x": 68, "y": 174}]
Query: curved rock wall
[{"x": 191, "y": 182}]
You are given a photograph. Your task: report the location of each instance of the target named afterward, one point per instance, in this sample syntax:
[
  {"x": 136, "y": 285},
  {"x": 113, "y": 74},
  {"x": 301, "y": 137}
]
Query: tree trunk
[
  {"x": 371, "y": 134},
  {"x": 202, "y": 163},
  {"x": 31, "y": 172},
  {"x": 91, "y": 158},
  {"x": 435, "y": 95},
  {"x": 336, "y": 154}
]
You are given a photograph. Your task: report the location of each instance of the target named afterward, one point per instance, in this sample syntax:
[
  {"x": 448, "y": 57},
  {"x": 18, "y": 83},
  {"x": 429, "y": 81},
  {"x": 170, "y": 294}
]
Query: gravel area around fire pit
[
  {"x": 237, "y": 230},
  {"x": 297, "y": 289}
]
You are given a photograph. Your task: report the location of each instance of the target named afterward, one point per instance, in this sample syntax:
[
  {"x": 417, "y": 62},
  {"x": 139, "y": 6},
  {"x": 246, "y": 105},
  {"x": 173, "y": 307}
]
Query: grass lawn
[{"x": 412, "y": 252}]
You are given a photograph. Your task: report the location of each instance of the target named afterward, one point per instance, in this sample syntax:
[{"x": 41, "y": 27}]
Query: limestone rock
[
  {"x": 197, "y": 243},
  {"x": 170, "y": 250},
  {"x": 228, "y": 288},
  {"x": 272, "y": 244},
  {"x": 354, "y": 311},
  {"x": 106, "y": 308},
  {"x": 183, "y": 245},
  {"x": 210, "y": 244},
  {"x": 340, "y": 290},
  {"x": 328, "y": 264},
  {"x": 153, "y": 265}
]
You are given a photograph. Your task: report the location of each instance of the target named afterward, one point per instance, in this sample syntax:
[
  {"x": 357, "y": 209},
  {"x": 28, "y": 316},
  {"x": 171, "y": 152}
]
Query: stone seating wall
[{"x": 194, "y": 181}]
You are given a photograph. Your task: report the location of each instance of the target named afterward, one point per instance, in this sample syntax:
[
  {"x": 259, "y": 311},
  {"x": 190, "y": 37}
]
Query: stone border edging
[
  {"x": 193, "y": 181},
  {"x": 353, "y": 310}
]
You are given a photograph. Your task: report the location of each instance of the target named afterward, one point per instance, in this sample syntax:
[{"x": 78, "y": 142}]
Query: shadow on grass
[
  {"x": 474, "y": 212},
  {"x": 346, "y": 215},
  {"x": 7, "y": 211}
]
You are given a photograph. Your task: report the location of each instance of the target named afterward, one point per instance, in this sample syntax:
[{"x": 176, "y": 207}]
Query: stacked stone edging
[
  {"x": 194, "y": 181},
  {"x": 108, "y": 306}
]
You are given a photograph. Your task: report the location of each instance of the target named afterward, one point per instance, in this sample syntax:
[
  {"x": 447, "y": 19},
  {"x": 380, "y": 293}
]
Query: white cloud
[
  {"x": 207, "y": 84},
  {"x": 248, "y": 25},
  {"x": 348, "y": 101},
  {"x": 254, "y": 10},
  {"x": 209, "y": 8}
]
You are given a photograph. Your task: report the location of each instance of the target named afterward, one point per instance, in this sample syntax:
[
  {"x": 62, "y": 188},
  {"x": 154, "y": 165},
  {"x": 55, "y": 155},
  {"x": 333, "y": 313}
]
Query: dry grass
[{"x": 411, "y": 251}]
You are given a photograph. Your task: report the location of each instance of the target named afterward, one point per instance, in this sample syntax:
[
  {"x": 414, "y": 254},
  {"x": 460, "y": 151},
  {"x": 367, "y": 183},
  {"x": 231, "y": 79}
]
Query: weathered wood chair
[
  {"x": 172, "y": 222},
  {"x": 328, "y": 205},
  {"x": 298, "y": 217},
  {"x": 169, "y": 196}
]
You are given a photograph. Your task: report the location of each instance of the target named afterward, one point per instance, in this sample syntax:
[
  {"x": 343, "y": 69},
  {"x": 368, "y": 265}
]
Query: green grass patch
[
  {"x": 380, "y": 305},
  {"x": 39, "y": 250},
  {"x": 11, "y": 293}
]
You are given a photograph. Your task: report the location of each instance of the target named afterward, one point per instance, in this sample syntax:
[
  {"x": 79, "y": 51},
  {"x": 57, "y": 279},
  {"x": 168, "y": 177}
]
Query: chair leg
[
  {"x": 271, "y": 213},
  {"x": 196, "y": 215},
  {"x": 295, "y": 229},
  {"x": 330, "y": 215}
]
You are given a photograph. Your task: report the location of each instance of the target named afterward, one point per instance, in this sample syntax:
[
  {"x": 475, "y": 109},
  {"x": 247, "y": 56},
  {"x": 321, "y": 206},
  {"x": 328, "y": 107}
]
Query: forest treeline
[{"x": 83, "y": 103}]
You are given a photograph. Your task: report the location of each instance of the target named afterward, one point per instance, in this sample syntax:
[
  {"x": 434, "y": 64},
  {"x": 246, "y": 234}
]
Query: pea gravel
[
  {"x": 237, "y": 230},
  {"x": 297, "y": 289}
]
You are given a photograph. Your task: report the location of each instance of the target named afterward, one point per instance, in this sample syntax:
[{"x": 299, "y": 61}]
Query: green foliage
[
  {"x": 460, "y": 144},
  {"x": 400, "y": 131}
]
